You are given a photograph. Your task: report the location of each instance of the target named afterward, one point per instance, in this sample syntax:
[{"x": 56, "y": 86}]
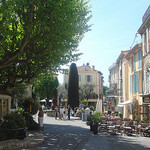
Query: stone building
[{"x": 144, "y": 31}]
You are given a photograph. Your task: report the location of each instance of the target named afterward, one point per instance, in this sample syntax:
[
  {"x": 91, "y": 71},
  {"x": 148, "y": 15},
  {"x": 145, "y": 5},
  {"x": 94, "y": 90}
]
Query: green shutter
[{"x": 131, "y": 84}]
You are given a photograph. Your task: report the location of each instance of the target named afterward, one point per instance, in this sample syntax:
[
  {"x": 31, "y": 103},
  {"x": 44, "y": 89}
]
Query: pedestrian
[
  {"x": 56, "y": 112},
  {"x": 68, "y": 112},
  {"x": 40, "y": 118},
  {"x": 61, "y": 113},
  {"x": 65, "y": 112}
]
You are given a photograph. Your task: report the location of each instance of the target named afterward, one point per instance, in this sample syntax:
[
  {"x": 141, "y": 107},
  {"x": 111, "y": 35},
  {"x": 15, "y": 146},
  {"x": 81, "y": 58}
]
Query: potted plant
[
  {"x": 96, "y": 119},
  {"x": 116, "y": 112},
  {"x": 89, "y": 121},
  {"x": 121, "y": 115},
  {"x": 145, "y": 119}
]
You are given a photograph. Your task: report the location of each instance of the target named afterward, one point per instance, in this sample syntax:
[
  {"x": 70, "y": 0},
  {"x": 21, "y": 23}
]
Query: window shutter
[
  {"x": 91, "y": 78},
  {"x": 139, "y": 58},
  {"x": 134, "y": 82},
  {"x": 133, "y": 62},
  {"x": 130, "y": 83},
  {"x": 86, "y": 78},
  {"x": 137, "y": 82},
  {"x": 140, "y": 53}
]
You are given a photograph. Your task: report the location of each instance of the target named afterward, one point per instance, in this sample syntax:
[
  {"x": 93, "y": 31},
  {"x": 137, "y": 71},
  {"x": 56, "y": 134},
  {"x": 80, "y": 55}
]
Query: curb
[{"x": 34, "y": 138}]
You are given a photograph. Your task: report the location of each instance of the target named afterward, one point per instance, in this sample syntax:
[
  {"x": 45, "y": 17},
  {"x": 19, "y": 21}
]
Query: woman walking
[{"x": 40, "y": 118}]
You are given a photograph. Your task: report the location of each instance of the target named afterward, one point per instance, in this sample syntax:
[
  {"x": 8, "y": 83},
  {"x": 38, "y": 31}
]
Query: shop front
[{"x": 145, "y": 107}]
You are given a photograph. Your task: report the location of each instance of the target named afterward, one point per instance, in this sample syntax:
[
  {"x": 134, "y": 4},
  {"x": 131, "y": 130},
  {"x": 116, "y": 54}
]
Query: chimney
[{"x": 93, "y": 68}]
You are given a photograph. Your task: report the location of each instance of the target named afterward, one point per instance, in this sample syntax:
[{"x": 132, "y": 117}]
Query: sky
[{"x": 114, "y": 26}]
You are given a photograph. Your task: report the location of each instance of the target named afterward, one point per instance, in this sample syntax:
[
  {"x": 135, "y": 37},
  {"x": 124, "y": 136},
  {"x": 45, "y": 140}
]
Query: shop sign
[
  {"x": 146, "y": 99},
  {"x": 82, "y": 105}
]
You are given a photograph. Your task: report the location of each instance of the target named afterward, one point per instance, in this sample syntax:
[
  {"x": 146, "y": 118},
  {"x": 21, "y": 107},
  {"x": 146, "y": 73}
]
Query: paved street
[{"x": 75, "y": 135}]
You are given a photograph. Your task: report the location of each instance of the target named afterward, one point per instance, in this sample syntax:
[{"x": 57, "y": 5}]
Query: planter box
[{"x": 19, "y": 133}]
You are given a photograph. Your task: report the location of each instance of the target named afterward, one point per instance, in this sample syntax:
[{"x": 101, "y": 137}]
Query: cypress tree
[{"x": 73, "y": 87}]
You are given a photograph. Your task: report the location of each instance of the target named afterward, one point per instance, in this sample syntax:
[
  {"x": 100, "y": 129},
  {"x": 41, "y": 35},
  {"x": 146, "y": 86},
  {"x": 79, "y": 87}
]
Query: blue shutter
[
  {"x": 91, "y": 78},
  {"x": 140, "y": 53},
  {"x": 86, "y": 78},
  {"x": 79, "y": 78},
  {"x": 139, "y": 58},
  {"x": 130, "y": 83},
  {"x": 134, "y": 82},
  {"x": 133, "y": 62},
  {"x": 137, "y": 82}
]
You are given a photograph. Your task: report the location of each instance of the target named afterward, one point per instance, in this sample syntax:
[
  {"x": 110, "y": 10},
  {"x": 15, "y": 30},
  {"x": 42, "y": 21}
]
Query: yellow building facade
[
  {"x": 89, "y": 75},
  {"x": 134, "y": 76}
]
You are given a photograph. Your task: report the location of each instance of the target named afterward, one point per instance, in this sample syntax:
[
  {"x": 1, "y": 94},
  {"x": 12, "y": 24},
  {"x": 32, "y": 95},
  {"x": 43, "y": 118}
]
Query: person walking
[
  {"x": 40, "y": 118},
  {"x": 68, "y": 112},
  {"x": 61, "y": 113},
  {"x": 65, "y": 112},
  {"x": 56, "y": 112}
]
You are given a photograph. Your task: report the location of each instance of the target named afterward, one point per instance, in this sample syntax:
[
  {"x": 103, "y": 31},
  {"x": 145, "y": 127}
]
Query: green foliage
[
  {"x": 44, "y": 85},
  {"x": 39, "y": 35},
  {"x": 105, "y": 90},
  {"x": 116, "y": 112},
  {"x": 121, "y": 115},
  {"x": 35, "y": 105},
  {"x": 145, "y": 118},
  {"x": 97, "y": 118},
  {"x": 62, "y": 91},
  {"x": 73, "y": 87},
  {"x": 92, "y": 108},
  {"x": 86, "y": 90},
  {"x": 89, "y": 119},
  {"x": 85, "y": 102},
  {"x": 31, "y": 124},
  {"x": 137, "y": 118},
  {"x": 13, "y": 121}
]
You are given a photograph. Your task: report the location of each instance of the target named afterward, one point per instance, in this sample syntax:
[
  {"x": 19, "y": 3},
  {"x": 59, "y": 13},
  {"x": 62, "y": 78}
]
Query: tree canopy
[
  {"x": 38, "y": 35},
  {"x": 44, "y": 85}
]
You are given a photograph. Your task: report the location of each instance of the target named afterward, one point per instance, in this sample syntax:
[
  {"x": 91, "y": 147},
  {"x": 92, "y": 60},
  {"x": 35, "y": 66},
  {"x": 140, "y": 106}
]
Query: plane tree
[{"x": 39, "y": 35}]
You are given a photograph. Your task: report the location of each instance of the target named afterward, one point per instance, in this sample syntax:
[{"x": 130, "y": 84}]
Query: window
[
  {"x": 139, "y": 58},
  {"x": 79, "y": 78},
  {"x": 133, "y": 62},
  {"x": 136, "y": 82},
  {"x": 88, "y": 78}
]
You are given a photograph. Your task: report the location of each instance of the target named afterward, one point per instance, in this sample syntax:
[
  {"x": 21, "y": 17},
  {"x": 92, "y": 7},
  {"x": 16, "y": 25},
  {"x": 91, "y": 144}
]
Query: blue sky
[{"x": 115, "y": 23}]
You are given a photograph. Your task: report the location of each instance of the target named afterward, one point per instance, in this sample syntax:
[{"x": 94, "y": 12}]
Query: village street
[{"x": 75, "y": 135}]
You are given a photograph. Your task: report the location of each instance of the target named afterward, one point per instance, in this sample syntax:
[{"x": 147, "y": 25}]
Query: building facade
[
  {"x": 89, "y": 75},
  {"x": 117, "y": 82},
  {"x": 144, "y": 31},
  {"x": 134, "y": 89}
]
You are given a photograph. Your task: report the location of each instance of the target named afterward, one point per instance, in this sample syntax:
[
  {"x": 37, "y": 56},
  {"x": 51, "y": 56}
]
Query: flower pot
[{"x": 95, "y": 128}]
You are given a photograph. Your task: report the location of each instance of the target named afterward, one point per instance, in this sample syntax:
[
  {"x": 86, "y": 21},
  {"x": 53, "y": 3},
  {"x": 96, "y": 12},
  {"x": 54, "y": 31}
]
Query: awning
[
  {"x": 126, "y": 102},
  {"x": 43, "y": 100},
  {"x": 145, "y": 95},
  {"x": 119, "y": 105}
]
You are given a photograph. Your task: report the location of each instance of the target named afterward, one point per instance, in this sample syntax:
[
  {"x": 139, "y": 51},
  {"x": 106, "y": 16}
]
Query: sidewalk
[{"x": 34, "y": 138}]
